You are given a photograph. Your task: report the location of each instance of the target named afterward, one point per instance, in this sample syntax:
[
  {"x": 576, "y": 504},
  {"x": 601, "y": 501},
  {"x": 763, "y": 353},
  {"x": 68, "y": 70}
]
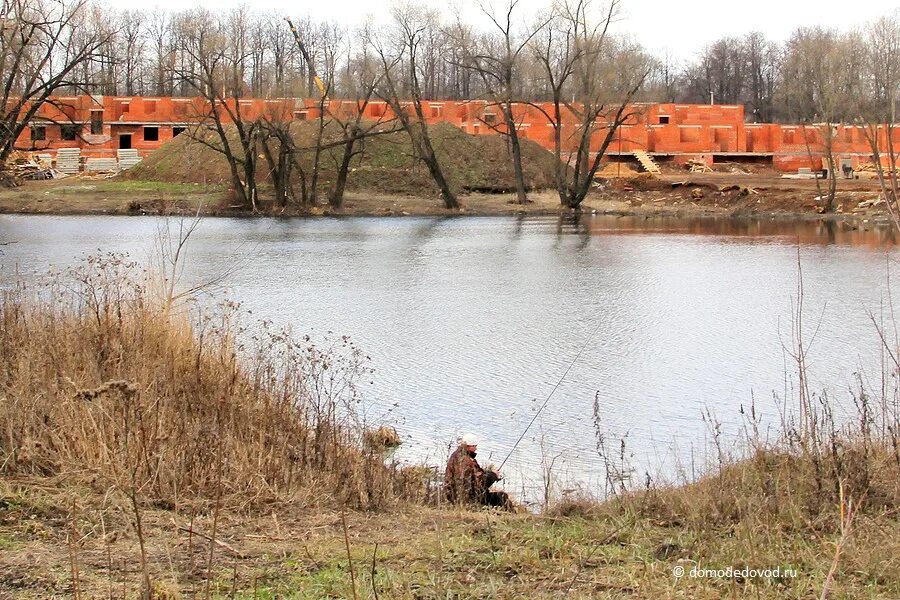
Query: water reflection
[{"x": 804, "y": 232}]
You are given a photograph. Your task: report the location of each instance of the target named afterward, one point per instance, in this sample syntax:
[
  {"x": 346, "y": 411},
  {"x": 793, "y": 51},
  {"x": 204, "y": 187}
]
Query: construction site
[{"x": 109, "y": 133}]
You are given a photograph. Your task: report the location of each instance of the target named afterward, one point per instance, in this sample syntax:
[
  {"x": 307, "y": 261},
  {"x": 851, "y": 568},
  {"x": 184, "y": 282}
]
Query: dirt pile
[
  {"x": 617, "y": 169},
  {"x": 386, "y": 165}
]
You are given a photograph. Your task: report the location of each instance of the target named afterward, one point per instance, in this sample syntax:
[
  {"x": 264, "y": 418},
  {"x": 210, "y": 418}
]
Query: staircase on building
[
  {"x": 68, "y": 160},
  {"x": 128, "y": 158},
  {"x": 647, "y": 162}
]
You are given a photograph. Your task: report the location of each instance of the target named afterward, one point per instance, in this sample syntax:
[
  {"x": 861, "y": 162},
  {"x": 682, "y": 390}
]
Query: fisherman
[{"x": 465, "y": 482}]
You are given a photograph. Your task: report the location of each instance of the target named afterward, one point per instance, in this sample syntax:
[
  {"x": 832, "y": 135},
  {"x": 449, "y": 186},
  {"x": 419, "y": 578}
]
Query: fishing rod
[{"x": 553, "y": 391}]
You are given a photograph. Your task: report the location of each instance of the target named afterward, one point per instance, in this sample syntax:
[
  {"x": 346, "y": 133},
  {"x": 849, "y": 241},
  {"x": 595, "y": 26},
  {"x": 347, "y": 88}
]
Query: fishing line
[{"x": 553, "y": 391}]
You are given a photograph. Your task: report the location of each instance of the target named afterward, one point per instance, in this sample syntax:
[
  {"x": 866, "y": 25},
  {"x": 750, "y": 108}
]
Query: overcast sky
[{"x": 682, "y": 28}]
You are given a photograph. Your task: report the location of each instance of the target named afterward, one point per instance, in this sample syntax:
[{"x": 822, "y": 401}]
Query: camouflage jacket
[{"x": 464, "y": 479}]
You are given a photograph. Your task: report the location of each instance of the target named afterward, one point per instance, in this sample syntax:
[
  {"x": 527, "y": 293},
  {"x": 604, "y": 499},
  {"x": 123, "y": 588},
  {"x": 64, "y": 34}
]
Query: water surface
[{"x": 470, "y": 322}]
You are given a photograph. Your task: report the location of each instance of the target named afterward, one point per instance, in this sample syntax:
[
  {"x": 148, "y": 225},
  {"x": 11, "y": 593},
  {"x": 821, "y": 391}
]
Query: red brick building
[{"x": 99, "y": 125}]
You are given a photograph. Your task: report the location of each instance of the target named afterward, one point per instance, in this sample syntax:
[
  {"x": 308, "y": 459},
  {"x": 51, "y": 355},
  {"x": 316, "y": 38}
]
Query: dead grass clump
[
  {"x": 101, "y": 383},
  {"x": 576, "y": 506},
  {"x": 381, "y": 439}
]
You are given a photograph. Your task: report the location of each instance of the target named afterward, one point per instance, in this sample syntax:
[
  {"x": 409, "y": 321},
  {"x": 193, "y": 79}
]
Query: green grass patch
[{"x": 139, "y": 187}]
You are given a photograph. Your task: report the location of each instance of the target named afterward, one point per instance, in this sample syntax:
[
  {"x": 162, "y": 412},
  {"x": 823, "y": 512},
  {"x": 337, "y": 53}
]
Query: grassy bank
[
  {"x": 148, "y": 447},
  {"x": 417, "y": 552}
]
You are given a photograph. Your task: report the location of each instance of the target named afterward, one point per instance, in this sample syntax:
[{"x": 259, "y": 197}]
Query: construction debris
[
  {"x": 867, "y": 170},
  {"x": 802, "y": 173},
  {"x": 698, "y": 166},
  {"x": 23, "y": 166},
  {"x": 101, "y": 165},
  {"x": 742, "y": 190},
  {"x": 866, "y": 204},
  {"x": 128, "y": 158}
]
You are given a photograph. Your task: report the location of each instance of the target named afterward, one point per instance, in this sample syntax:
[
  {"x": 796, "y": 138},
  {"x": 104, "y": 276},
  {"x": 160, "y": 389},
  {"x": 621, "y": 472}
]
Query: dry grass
[{"x": 104, "y": 385}]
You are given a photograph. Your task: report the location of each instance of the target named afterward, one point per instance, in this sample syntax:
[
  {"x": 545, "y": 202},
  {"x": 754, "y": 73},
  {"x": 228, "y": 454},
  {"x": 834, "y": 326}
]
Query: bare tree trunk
[
  {"x": 336, "y": 197},
  {"x": 516, "y": 151},
  {"x": 415, "y": 125}
]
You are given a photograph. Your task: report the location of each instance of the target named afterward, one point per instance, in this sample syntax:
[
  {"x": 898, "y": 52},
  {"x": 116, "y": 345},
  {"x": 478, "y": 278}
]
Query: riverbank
[
  {"x": 673, "y": 195},
  {"x": 56, "y": 535}
]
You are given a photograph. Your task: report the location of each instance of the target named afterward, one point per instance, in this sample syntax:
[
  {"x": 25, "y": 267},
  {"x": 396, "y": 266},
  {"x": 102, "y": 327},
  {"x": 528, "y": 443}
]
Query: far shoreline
[{"x": 115, "y": 197}]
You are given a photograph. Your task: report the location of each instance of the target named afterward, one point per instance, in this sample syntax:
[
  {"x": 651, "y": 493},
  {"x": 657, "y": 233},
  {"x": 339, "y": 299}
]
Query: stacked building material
[
  {"x": 101, "y": 165},
  {"x": 68, "y": 160},
  {"x": 128, "y": 158}
]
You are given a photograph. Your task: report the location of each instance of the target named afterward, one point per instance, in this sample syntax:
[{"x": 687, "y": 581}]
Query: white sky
[{"x": 681, "y": 28}]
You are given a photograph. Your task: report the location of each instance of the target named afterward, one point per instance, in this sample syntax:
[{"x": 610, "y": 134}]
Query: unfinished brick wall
[{"x": 679, "y": 131}]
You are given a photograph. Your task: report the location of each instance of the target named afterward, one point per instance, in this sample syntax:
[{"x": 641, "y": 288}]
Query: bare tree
[
  {"x": 719, "y": 74},
  {"x": 821, "y": 84},
  {"x": 763, "y": 59},
  {"x": 42, "y": 45},
  {"x": 410, "y": 25},
  {"x": 604, "y": 74},
  {"x": 495, "y": 61},
  {"x": 219, "y": 80},
  {"x": 364, "y": 80},
  {"x": 877, "y": 111},
  {"x": 133, "y": 42}
]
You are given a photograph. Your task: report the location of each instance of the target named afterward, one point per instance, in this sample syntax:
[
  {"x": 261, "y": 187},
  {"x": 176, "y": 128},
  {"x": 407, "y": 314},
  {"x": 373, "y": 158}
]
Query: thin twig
[
  {"x": 190, "y": 530},
  {"x": 349, "y": 557},
  {"x": 374, "y": 585}
]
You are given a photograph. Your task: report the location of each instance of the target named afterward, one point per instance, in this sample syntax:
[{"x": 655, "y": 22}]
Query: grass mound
[{"x": 386, "y": 165}]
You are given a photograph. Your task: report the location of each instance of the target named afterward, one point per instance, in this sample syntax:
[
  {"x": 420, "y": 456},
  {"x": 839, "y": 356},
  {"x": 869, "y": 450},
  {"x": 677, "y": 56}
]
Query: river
[{"x": 470, "y": 322}]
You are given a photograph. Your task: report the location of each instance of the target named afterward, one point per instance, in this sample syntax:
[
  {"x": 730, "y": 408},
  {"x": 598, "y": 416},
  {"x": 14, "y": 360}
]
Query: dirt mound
[
  {"x": 617, "y": 169},
  {"x": 386, "y": 165}
]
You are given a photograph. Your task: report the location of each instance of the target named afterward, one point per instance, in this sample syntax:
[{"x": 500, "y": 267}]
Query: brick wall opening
[
  {"x": 69, "y": 133},
  {"x": 151, "y": 134},
  {"x": 38, "y": 133},
  {"x": 96, "y": 122}
]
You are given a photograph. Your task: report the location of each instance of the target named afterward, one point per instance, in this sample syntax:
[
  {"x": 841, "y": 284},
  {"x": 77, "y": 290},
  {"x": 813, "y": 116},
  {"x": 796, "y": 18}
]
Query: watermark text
[{"x": 737, "y": 573}]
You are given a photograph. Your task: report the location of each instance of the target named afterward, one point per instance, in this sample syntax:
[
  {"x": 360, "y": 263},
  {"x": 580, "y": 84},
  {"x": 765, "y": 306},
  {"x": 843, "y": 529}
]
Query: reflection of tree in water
[
  {"x": 518, "y": 228},
  {"x": 421, "y": 235},
  {"x": 572, "y": 224}
]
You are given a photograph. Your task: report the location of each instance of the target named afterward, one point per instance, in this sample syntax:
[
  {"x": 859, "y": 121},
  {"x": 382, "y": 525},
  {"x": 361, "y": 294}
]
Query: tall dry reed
[{"x": 103, "y": 383}]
